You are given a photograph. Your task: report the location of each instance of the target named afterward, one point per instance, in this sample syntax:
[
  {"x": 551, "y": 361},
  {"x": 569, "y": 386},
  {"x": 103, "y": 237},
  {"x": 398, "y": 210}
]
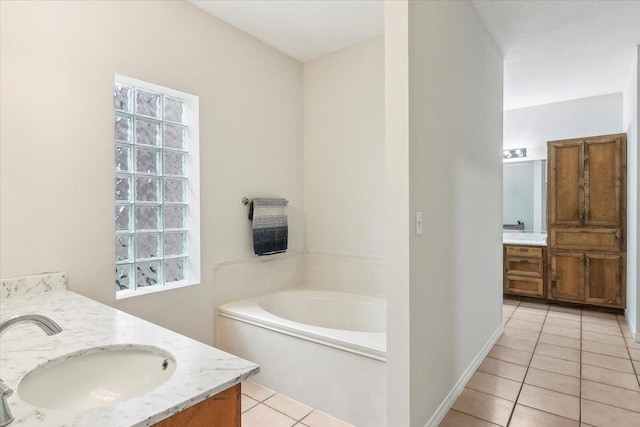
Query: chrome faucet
[{"x": 50, "y": 327}]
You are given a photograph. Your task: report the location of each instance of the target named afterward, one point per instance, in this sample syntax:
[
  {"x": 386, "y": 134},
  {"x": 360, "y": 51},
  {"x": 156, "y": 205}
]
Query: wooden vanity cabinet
[
  {"x": 220, "y": 410},
  {"x": 524, "y": 270},
  {"x": 587, "y": 220}
]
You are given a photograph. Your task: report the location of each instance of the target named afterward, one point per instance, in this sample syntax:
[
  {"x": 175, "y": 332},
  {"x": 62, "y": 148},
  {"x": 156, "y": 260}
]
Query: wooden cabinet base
[{"x": 221, "y": 410}]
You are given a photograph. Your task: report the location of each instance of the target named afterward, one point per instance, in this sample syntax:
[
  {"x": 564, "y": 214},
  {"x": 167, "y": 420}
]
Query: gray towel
[{"x": 270, "y": 226}]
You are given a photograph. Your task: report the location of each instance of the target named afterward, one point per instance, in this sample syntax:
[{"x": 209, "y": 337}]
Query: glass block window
[{"x": 156, "y": 188}]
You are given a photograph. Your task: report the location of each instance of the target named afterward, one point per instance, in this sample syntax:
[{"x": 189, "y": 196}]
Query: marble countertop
[
  {"x": 528, "y": 239},
  {"x": 201, "y": 371}
]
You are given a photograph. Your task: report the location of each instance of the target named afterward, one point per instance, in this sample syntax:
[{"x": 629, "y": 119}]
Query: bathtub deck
[{"x": 264, "y": 407}]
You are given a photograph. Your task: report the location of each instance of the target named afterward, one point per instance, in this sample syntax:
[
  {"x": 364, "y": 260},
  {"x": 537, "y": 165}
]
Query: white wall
[
  {"x": 532, "y": 127},
  {"x": 452, "y": 159},
  {"x": 631, "y": 110},
  {"x": 57, "y": 69},
  {"x": 343, "y": 169}
]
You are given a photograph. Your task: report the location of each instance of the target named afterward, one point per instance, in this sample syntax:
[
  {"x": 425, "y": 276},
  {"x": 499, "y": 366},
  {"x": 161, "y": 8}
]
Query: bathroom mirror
[{"x": 524, "y": 205}]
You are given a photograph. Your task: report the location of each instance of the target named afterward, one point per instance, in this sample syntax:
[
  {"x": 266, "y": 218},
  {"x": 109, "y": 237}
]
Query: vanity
[
  {"x": 524, "y": 264},
  {"x": 140, "y": 373}
]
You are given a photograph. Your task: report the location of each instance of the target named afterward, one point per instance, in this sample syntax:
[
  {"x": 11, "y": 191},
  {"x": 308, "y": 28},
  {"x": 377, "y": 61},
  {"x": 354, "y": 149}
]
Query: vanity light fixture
[{"x": 514, "y": 153}]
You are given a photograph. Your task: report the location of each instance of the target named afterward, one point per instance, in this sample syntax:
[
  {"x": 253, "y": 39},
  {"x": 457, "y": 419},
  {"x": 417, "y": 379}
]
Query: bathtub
[{"x": 326, "y": 349}]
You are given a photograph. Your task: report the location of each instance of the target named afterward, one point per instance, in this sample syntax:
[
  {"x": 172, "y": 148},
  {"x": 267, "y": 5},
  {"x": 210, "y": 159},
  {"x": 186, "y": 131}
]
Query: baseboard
[
  {"x": 440, "y": 413},
  {"x": 632, "y": 326}
]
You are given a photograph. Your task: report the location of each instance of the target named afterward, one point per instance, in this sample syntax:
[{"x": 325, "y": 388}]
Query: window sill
[{"x": 151, "y": 290}]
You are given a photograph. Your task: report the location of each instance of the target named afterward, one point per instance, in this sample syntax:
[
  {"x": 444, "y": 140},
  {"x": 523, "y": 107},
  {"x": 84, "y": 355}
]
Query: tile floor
[
  {"x": 262, "y": 407},
  {"x": 554, "y": 367}
]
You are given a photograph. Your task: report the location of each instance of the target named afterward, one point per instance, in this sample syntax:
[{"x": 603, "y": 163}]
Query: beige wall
[
  {"x": 57, "y": 69},
  {"x": 452, "y": 160},
  {"x": 344, "y": 151}
]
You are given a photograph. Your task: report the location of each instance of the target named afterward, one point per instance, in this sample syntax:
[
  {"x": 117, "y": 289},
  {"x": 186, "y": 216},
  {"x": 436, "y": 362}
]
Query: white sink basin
[{"x": 95, "y": 377}]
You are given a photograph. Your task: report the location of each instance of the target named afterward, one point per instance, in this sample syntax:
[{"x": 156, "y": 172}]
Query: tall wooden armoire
[{"x": 586, "y": 220}]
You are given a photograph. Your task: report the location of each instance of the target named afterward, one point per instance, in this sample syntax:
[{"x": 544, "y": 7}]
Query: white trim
[
  {"x": 632, "y": 326},
  {"x": 440, "y": 413}
]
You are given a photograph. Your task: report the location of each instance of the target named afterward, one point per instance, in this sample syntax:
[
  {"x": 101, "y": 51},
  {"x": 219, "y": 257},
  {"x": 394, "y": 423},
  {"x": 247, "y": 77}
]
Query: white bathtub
[{"x": 326, "y": 349}]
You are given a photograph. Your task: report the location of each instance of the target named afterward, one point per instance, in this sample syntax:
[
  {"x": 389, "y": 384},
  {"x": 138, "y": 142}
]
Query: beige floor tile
[
  {"x": 289, "y": 407},
  {"x": 256, "y": 391},
  {"x": 559, "y": 366},
  {"x": 635, "y": 354},
  {"x": 632, "y": 344},
  {"x": 484, "y": 406},
  {"x": 494, "y": 385},
  {"x": 559, "y": 340},
  {"x": 626, "y": 330},
  {"x": 602, "y": 348},
  {"x": 601, "y": 415},
  {"x": 263, "y": 416},
  {"x": 550, "y": 401},
  {"x": 564, "y": 353},
  {"x": 320, "y": 419},
  {"x": 523, "y": 416},
  {"x": 522, "y": 334},
  {"x": 553, "y": 381},
  {"x": 527, "y": 316},
  {"x": 561, "y": 315},
  {"x": 613, "y": 322},
  {"x": 510, "y": 302},
  {"x": 525, "y": 324},
  {"x": 609, "y": 330},
  {"x": 608, "y": 376},
  {"x": 609, "y": 362},
  {"x": 516, "y": 343},
  {"x": 562, "y": 331},
  {"x": 636, "y": 366},
  {"x": 510, "y": 355},
  {"x": 566, "y": 323},
  {"x": 563, "y": 309},
  {"x": 503, "y": 369},
  {"x": 505, "y": 319},
  {"x": 458, "y": 419},
  {"x": 603, "y": 338},
  {"x": 614, "y": 396},
  {"x": 540, "y": 306},
  {"x": 247, "y": 403},
  {"x": 601, "y": 314}
]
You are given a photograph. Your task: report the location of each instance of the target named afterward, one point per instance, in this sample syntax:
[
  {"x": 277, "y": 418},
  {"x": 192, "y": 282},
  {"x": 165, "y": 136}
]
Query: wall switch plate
[{"x": 418, "y": 223}]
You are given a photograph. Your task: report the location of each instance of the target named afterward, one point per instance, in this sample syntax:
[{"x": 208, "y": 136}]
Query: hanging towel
[{"x": 270, "y": 226}]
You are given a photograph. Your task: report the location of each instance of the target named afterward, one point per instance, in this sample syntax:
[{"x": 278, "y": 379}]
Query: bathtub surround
[
  {"x": 444, "y": 158},
  {"x": 201, "y": 371},
  {"x": 38, "y": 283},
  {"x": 56, "y": 132},
  {"x": 347, "y": 273}
]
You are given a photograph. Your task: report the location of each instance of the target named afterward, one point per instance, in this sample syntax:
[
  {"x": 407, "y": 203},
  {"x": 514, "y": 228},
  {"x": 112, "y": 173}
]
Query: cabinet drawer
[
  {"x": 524, "y": 286},
  {"x": 586, "y": 239},
  {"x": 524, "y": 252},
  {"x": 524, "y": 267}
]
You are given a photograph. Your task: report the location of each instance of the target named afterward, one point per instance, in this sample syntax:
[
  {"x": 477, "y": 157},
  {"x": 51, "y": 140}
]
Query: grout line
[
  {"x": 513, "y": 409},
  {"x": 608, "y": 404},
  {"x": 550, "y": 413},
  {"x": 580, "y": 381},
  {"x": 633, "y": 366},
  {"x": 473, "y": 416}
]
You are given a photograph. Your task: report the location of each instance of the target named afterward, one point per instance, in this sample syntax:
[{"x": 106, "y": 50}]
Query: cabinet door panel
[
  {"x": 523, "y": 267},
  {"x": 566, "y": 194},
  {"x": 581, "y": 239},
  {"x": 603, "y": 284},
  {"x": 567, "y": 276},
  {"x": 524, "y": 286},
  {"x": 603, "y": 182}
]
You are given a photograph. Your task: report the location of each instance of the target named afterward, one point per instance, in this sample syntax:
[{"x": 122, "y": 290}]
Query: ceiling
[
  {"x": 303, "y": 29},
  {"x": 560, "y": 50},
  {"x": 553, "y": 50}
]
